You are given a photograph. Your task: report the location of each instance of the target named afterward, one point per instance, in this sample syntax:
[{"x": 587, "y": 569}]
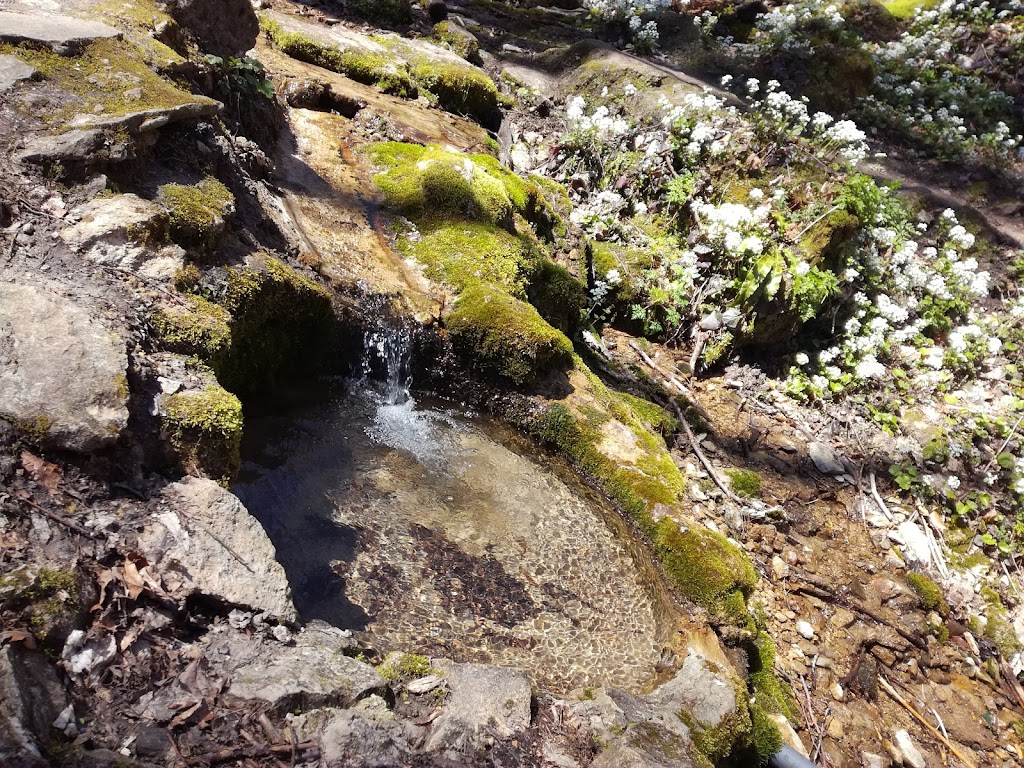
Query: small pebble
[
  {"x": 837, "y": 692},
  {"x": 805, "y": 629}
]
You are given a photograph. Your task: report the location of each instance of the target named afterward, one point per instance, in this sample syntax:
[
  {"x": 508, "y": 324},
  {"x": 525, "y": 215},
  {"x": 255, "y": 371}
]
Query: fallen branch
[
  {"x": 878, "y": 498},
  {"x": 695, "y": 446},
  {"x": 920, "y": 718},
  {"x": 682, "y": 388},
  {"x": 57, "y": 518}
]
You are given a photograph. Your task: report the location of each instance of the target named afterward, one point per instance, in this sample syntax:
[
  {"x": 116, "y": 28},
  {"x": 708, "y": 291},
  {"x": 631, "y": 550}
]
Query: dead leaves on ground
[{"x": 43, "y": 472}]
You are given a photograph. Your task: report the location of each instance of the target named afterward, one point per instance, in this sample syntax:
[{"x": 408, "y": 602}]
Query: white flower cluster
[
  {"x": 618, "y": 9},
  {"x": 599, "y": 216},
  {"x": 782, "y": 24},
  {"x": 600, "y": 124}
]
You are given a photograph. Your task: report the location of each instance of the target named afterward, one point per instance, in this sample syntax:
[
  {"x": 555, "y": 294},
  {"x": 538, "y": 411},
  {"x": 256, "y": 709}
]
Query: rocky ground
[{"x": 195, "y": 209}]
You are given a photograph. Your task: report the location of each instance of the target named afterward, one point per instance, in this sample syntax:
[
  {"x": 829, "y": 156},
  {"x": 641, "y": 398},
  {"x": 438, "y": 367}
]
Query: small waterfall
[{"x": 388, "y": 354}]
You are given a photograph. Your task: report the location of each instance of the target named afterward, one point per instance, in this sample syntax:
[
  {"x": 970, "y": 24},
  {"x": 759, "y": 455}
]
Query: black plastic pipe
[{"x": 787, "y": 757}]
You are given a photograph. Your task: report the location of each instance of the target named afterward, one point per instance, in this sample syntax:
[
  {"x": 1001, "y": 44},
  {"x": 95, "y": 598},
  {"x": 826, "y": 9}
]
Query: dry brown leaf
[
  {"x": 103, "y": 579},
  {"x": 20, "y": 636},
  {"x": 181, "y": 717},
  {"x": 133, "y": 580},
  {"x": 43, "y": 472}
]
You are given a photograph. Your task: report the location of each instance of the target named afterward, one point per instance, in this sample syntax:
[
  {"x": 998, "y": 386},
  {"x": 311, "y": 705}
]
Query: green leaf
[{"x": 1006, "y": 460}]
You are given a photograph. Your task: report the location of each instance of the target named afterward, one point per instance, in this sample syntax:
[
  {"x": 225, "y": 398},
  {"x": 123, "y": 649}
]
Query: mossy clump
[
  {"x": 460, "y": 40},
  {"x": 436, "y": 182},
  {"x": 930, "y": 593},
  {"x": 708, "y": 569},
  {"x": 393, "y": 11},
  {"x": 198, "y": 212},
  {"x": 199, "y": 328},
  {"x": 905, "y": 9},
  {"x": 560, "y": 298},
  {"x": 505, "y": 336},
  {"x": 400, "y": 667},
  {"x": 205, "y": 431},
  {"x": 745, "y": 482},
  {"x": 363, "y": 67},
  {"x": 108, "y": 79},
  {"x": 52, "y": 600},
  {"x": 282, "y": 322},
  {"x": 461, "y": 90}
]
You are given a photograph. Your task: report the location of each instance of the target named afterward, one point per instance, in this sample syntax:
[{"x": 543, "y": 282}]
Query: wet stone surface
[{"x": 429, "y": 531}]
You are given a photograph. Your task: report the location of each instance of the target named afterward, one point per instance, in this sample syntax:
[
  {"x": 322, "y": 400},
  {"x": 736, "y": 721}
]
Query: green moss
[
  {"x": 828, "y": 234},
  {"x": 37, "y": 428},
  {"x": 283, "y": 323},
  {"x": 52, "y": 599},
  {"x": 929, "y": 592},
  {"x": 197, "y": 212},
  {"x": 560, "y": 298},
  {"x": 505, "y": 336},
  {"x": 188, "y": 278},
  {"x": 201, "y": 328},
  {"x": 905, "y": 9},
  {"x": 459, "y": 40},
  {"x": 97, "y": 81},
  {"x": 395, "y": 11},
  {"x": 707, "y": 569},
  {"x": 745, "y": 482},
  {"x": 367, "y": 68},
  {"x": 769, "y": 692},
  {"x": 462, "y": 90},
  {"x": 205, "y": 430},
  {"x": 399, "y": 667},
  {"x": 765, "y": 737}
]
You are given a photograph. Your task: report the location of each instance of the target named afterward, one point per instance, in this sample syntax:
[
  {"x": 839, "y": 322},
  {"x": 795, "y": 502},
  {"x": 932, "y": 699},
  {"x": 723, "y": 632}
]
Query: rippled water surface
[{"x": 425, "y": 529}]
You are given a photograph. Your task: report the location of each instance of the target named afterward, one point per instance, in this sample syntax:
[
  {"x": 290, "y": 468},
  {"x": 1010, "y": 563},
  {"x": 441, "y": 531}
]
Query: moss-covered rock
[
  {"x": 460, "y": 40},
  {"x": 930, "y": 593},
  {"x": 708, "y": 569},
  {"x": 560, "y": 298},
  {"x": 505, "y": 336},
  {"x": 199, "y": 328},
  {"x": 283, "y": 323},
  {"x": 198, "y": 214},
  {"x": 204, "y": 429},
  {"x": 362, "y": 66},
  {"x": 462, "y": 90},
  {"x": 745, "y": 482}
]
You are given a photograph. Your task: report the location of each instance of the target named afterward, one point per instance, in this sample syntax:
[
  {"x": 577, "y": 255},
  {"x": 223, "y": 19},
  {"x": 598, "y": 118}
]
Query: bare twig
[
  {"x": 57, "y": 518},
  {"x": 250, "y": 751},
  {"x": 1002, "y": 447},
  {"x": 822, "y": 592},
  {"x": 920, "y": 718}
]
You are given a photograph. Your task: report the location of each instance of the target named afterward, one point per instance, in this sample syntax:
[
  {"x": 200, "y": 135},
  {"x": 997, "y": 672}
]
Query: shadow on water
[{"x": 288, "y": 466}]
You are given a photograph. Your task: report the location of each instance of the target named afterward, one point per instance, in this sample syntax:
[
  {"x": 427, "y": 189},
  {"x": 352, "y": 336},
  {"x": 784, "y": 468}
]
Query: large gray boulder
[
  {"x": 646, "y": 745},
  {"x": 222, "y": 27},
  {"x": 62, "y": 373},
  {"x": 368, "y": 735},
  {"x": 114, "y": 230},
  {"x": 699, "y": 688},
  {"x": 204, "y": 541},
  {"x": 314, "y": 672},
  {"x": 63, "y": 34},
  {"x": 485, "y": 703}
]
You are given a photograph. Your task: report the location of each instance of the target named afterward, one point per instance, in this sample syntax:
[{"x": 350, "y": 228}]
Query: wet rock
[
  {"x": 908, "y": 749},
  {"x": 700, "y": 688},
  {"x": 202, "y": 540},
  {"x": 225, "y": 28},
  {"x": 646, "y": 745},
  {"x": 63, "y": 34},
  {"x": 13, "y": 71},
  {"x": 314, "y": 672},
  {"x": 484, "y": 702},
  {"x": 62, "y": 374},
  {"x": 113, "y": 230},
  {"x": 31, "y": 698},
  {"x": 825, "y": 459}
]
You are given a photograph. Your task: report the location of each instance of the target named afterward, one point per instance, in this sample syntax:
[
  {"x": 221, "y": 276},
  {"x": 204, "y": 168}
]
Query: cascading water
[{"x": 388, "y": 349}]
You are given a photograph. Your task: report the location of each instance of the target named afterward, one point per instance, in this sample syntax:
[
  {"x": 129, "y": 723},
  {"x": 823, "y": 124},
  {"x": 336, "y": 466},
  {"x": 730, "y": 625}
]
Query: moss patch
[
  {"x": 201, "y": 329},
  {"x": 400, "y": 667},
  {"x": 459, "y": 40},
  {"x": 905, "y": 9},
  {"x": 367, "y": 68},
  {"x": 505, "y": 336},
  {"x": 560, "y": 298},
  {"x": 205, "y": 430},
  {"x": 929, "y": 592},
  {"x": 197, "y": 212},
  {"x": 461, "y": 90},
  {"x": 109, "y": 79},
  {"x": 283, "y": 322},
  {"x": 745, "y": 482},
  {"x": 708, "y": 569},
  {"x": 394, "y": 11}
]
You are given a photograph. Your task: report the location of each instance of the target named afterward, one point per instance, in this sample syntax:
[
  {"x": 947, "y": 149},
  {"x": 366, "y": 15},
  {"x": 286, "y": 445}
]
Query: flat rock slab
[
  {"x": 204, "y": 541},
  {"x": 314, "y": 672},
  {"x": 13, "y": 71},
  {"x": 485, "y": 702},
  {"x": 146, "y": 120},
  {"x": 111, "y": 220},
  {"x": 64, "y": 34},
  {"x": 700, "y": 688},
  {"x": 62, "y": 374}
]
